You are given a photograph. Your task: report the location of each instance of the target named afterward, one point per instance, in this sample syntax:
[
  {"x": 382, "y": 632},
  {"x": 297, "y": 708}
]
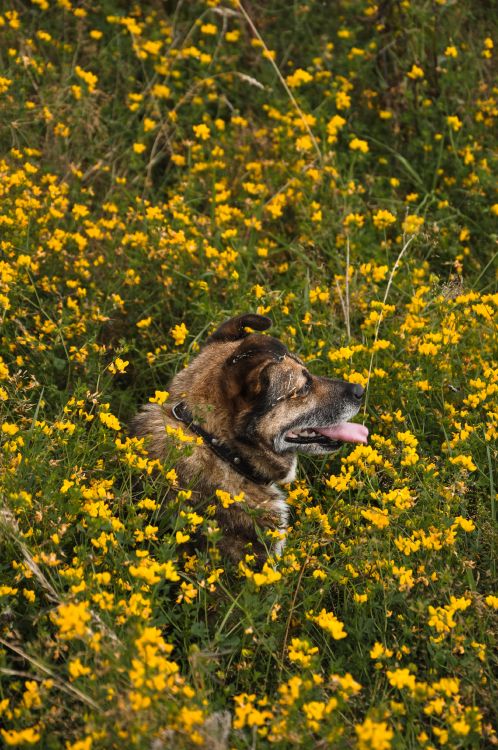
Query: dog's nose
[{"x": 356, "y": 390}]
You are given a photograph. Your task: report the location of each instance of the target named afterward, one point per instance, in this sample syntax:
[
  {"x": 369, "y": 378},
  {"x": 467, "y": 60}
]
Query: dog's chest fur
[{"x": 243, "y": 524}]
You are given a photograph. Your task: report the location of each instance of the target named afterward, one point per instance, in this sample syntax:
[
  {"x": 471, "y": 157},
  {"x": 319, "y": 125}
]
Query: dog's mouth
[{"x": 332, "y": 437}]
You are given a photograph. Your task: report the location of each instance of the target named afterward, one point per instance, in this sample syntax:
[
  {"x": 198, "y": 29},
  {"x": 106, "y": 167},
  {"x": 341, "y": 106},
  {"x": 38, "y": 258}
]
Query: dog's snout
[{"x": 356, "y": 390}]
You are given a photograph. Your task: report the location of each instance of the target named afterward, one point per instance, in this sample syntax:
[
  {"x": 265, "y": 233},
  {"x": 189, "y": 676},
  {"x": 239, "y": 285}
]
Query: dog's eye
[{"x": 305, "y": 389}]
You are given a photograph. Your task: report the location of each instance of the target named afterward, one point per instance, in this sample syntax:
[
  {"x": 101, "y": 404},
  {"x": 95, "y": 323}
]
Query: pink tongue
[{"x": 348, "y": 432}]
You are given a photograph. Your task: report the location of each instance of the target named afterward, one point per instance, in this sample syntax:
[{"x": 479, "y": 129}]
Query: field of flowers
[{"x": 167, "y": 165}]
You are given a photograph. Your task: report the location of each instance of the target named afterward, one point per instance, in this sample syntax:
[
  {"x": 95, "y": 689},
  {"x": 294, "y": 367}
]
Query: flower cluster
[{"x": 336, "y": 171}]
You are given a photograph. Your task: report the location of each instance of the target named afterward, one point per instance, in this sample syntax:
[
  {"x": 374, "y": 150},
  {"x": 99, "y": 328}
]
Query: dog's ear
[{"x": 235, "y": 328}]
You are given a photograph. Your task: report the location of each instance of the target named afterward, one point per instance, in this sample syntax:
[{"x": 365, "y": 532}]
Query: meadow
[{"x": 164, "y": 166}]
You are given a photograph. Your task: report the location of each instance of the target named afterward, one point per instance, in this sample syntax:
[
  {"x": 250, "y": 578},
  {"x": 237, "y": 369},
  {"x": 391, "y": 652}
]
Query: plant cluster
[{"x": 164, "y": 167}]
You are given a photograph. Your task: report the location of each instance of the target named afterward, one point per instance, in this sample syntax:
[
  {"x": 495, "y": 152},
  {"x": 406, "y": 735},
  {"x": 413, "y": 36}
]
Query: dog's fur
[{"x": 255, "y": 397}]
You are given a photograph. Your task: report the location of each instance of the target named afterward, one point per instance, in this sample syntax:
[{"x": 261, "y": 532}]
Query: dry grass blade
[
  {"x": 282, "y": 81},
  {"x": 64, "y": 686},
  {"x": 406, "y": 245}
]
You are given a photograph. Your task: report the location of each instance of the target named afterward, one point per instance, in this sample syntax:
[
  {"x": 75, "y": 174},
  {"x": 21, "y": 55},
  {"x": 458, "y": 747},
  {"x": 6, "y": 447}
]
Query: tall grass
[{"x": 163, "y": 168}]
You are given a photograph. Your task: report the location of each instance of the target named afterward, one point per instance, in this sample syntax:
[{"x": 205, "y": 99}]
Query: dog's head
[{"x": 264, "y": 395}]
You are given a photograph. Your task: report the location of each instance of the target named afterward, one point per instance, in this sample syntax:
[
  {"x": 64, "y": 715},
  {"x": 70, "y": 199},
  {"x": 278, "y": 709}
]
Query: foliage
[{"x": 164, "y": 168}]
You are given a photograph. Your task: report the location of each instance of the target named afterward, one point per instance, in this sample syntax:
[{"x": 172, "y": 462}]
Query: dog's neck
[{"x": 259, "y": 468}]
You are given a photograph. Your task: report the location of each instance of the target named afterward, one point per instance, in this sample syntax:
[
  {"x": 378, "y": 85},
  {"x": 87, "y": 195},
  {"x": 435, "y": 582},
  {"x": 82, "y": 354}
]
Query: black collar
[{"x": 238, "y": 463}]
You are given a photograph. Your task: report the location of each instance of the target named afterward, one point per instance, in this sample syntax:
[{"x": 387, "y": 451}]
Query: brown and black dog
[{"x": 255, "y": 405}]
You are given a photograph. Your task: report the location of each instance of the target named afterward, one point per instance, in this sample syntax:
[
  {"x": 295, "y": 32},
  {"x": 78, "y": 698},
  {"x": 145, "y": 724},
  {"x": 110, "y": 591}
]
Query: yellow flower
[
  {"x": 465, "y": 461},
  {"x": 160, "y": 91},
  {"x": 109, "y": 420},
  {"x": 358, "y": 145},
  {"x": 179, "y": 333},
  {"x": 80, "y": 211},
  {"x": 62, "y": 130},
  {"x": 424, "y": 385},
  {"x": 118, "y": 365},
  {"x": 7, "y": 591},
  {"x": 152, "y": 572},
  {"x": 378, "y": 651},
  {"x": 345, "y": 352},
  {"x": 454, "y": 122},
  {"x": 77, "y": 669},
  {"x": 299, "y": 77},
  {"x": 149, "y": 124},
  {"x": 209, "y": 29},
  {"x": 267, "y": 575},
  {"x": 188, "y": 593},
  {"x": 201, "y": 131},
  {"x": 171, "y": 476},
  {"x": 276, "y": 205},
  {"x": 360, "y": 598},
  {"x": 405, "y": 577},
  {"x": 333, "y": 126},
  {"x": 90, "y": 79},
  {"x": 246, "y": 713},
  {"x": 316, "y": 711},
  {"x": 301, "y": 652},
  {"x": 9, "y": 428},
  {"x": 382, "y": 219},
  {"x": 354, "y": 220},
  {"x": 465, "y": 523},
  {"x": 342, "y": 100},
  {"x": 412, "y": 224},
  {"x": 488, "y": 47},
  {"x": 442, "y": 618},
  {"x": 31, "y": 697},
  {"x": 377, "y": 516},
  {"x": 428, "y": 348},
  {"x": 319, "y": 294},
  {"x": 304, "y": 143},
  {"x": 139, "y": 148},
  {"x": 4, "y": 370},
  {"x": 159, "y": 397},
  {"x": 71, "y": 619},
  {"x": 180, "y": 435},
  {"x": 415, "y": 72},
  {"x": 226, "y": 499},
  {"x": 374, "y": 734},
  {"x": 5, "y": 83},
  {"x": 85, "y": 744},
  {"x": 29, "y": 736},
  {"x": 329, "y": 622},
  {"x": 181, "y": 538},
  {"x": 400, "y": 678}
]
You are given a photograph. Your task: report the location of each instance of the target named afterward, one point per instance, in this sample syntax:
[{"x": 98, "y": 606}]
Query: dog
[{"x": 255, "y": 405}]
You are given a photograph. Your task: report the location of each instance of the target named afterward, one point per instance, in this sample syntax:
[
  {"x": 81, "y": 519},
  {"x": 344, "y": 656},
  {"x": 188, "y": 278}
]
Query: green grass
[{"x": 160, "y": 169}]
